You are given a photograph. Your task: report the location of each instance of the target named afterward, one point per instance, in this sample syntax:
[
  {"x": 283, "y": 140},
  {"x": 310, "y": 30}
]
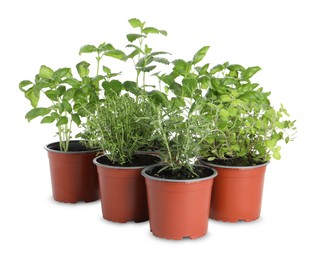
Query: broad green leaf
[
  {"x": 132, "y": 37},
  {"x": 29, "y": 94},
  {"x": 48, "y": 120},
  {"x": 106, "y": 47},
  {"x": 147, "y": 69},
  {"x": 39, "y": 86},
  {"x": 117, "y": 54},
  {"x": 35, "y": 112},
  {"x": 87, "y": 49},
  {"x": 160, "y": 53},
  {"x": 158, "y": 97},
  {"x": 161, "y": 60},
  {"x": 52, "y": 95},
  {"x": 235, "y": 67},
  {"x": 232, "y": 111},
  {"x": 229, "y": 81},
  {"x": 83, "y": 69},
  {"x": 66, "y": 106},
  {"x": 225, "y": 98},
  {"x": 61, "y": 90},
  {"x": 249, "y": 72},
  {"x": 106, "y": 70},
  {"x": 76, "y": 119},
  {"x": 144, "y": 61},
  {"x": 24, "y": 83},
  {"x": 200, "y": 54},
  {"x": 205, "y": 82},
  {"x": 72, "y": 82},
  {"x": 60, "y": 73},
  {"x": 276, "y": 153},
  {"x": 131, "y": 87},
  {"x": 62, "y": 121},
  {"x": 189, "y": 86},
  {"x": 216, "y": 69},
  {"x": 153, "y": 30},
  {"x": 224, "y": 114},
  {"x": 69, "y": 94},
  {"x": 177, "y": 102},
  {"x": 112, "y": 87},
  {"x": 181, "y": 67},
  {"x": 136, "y": 23},
  {"x": 46, "y": 72}
]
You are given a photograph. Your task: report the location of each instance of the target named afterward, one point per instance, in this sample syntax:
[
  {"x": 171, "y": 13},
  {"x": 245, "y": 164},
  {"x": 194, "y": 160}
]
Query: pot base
[
  {"x": 234, "y": 220},
  {"x": 193, "y": 236}
]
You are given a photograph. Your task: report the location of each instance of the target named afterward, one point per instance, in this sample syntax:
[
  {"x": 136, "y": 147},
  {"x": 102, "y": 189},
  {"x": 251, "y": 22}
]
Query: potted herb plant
[
  {"x": 178, "y": 190},
  {"x": 245, "y": 131},
  {"x": 113, "y": 127},
  {"x": 73, "y": 175}
]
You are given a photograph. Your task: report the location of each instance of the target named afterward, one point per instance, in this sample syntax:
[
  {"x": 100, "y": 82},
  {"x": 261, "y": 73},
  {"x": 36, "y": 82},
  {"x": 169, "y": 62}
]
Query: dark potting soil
[
  {"x": 74, "y": 146},
  {"x": 137, "y": 160},
  {"x": 180, "y": 174},
  {"x": 235, "y": 162}
]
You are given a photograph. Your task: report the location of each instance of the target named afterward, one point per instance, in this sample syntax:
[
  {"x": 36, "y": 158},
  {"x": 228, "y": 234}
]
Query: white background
[{"x": 279, "y": 36}]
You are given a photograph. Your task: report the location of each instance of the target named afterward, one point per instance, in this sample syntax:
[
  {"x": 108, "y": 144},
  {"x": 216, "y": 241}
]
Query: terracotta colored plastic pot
[
  {"x": 178, "y": 208},
  {"x": 237, "y": 192},
  {"x": 74, "y": 176},
  {"x": 123, "y": 193}
]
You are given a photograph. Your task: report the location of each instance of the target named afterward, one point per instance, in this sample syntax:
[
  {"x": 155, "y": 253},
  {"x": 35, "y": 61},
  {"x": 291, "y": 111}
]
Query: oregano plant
[{"x": 245, "y": 129}]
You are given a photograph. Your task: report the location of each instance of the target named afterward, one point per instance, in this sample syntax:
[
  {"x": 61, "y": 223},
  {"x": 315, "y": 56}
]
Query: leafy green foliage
[
  {"x": 244, "y": 127},
  {"x": 113, "y": 127},
  {"x": 67, "y": 95},
  {"x": 144, "y": 59}
]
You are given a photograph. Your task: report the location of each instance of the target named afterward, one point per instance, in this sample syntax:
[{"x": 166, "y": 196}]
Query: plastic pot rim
[
  {"x": 202, "y": 161},
  {"x": 69, "y": 152},
  {"x": 119, "y": 167},
  {"x": 144, "y": 174}
]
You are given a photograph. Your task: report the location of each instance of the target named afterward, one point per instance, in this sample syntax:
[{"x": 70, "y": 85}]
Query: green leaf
[
  {"x": 131, "y": 87},
  {"x": 69, "y": 94},
  {"x": 72, "y": 82},
  {"x": 52, "y": 95},
  {"x": 249, "y": 72},
  {"x": 66, "y": 106},
  {"x": 29, "y": 94},
  {"x": 132, "y": 37},
  {"x": 158, "y": 97},
  {"x": 216, "y": 69},
  {"x": 24, "y": 83},
  {"x": 87, "y": 49},
  {"x": 147, "y": 69},
  {"x": 189, "y": 86},
  {"x": 76, "y": 119},
  {"x": 224, "y": 114},
  {"x": 60, "y": 73},
  {"x": 276, "y": 153},
  {"x": 61, "y": 90},
  {"x": 46, "y": 72},
  {"x": 225, "y": 98},
  {"x": 35, "y": 112},
  {"x": 232, "y": 111},
  {"x": 117, "y": 54},
  {"x": 62, "y": 121},
  {"x": 161, "y": 60},
  {"x": 83, "y": 69},
  {"x": 106, "y": 70},
  {"x": 160, "y": 53},
  {"x": 48, "y": 120},
  {"x": 181, "y": 67},
  {"x": 112, "y": 87},
  {"x": 200, "y": 54},
  {"x": 136, "y": 23},
  {"x": 106, "y": 47},
  {"x": 235, "y": 67},
  {"x": 153, "y": 30}
]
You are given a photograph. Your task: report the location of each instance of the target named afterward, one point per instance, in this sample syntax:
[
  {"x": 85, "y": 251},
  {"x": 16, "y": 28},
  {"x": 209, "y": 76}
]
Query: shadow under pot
[
  {"x": 178, "y": 208},
  {"x": 73, "y": 175},
  {"x": 122, "y": 189},
  {"x": 237, "y": 192}
]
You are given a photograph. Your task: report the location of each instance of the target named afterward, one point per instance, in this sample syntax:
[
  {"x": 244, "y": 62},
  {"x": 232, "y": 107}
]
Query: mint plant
[
  {"x": 67, "y": 95},
  {"x": 143, "y": 57},
  {"x": 244, "y": 128}
]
